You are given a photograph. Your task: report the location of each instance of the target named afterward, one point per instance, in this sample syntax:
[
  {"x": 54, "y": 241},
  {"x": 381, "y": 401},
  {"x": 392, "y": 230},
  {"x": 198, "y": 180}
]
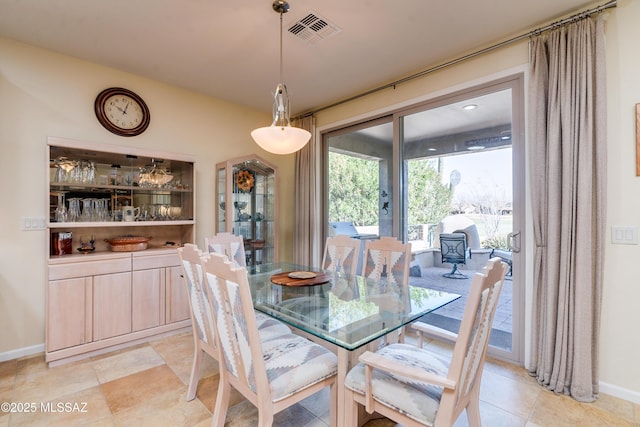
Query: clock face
[{"x": 122, "y": 112}]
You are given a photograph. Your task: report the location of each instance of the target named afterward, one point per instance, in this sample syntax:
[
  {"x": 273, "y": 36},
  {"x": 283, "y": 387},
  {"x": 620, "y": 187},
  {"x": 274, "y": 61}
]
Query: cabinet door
[
  {"x": 177, "y": 297},
  {"x": 147, "y": 299},
  {"x": 68, "y": 313},
  {"x": 111, "y": 305}
]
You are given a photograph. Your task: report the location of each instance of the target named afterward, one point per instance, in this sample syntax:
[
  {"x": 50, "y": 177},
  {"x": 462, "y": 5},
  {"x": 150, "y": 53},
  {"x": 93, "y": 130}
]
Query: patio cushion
[{"x": 417, "y": 400}]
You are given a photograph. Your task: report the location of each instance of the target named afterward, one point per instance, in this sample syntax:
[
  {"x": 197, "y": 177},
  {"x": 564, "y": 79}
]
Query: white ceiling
[{"x": 230, "y": 50}]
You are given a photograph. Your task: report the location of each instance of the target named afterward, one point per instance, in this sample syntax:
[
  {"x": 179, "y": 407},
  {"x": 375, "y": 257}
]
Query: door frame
[{"x": 515, "y": 82}]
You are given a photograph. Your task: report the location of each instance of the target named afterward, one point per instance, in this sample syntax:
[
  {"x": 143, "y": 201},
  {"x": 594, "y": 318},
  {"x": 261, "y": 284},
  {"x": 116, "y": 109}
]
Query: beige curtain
[
  {"x": 307, "y": 212},
  {"x": 568, "y": 143}
]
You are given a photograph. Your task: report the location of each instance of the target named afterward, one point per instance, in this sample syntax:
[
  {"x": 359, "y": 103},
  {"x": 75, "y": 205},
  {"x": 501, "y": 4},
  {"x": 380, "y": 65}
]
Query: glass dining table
[{"x": 346, "y": 314}]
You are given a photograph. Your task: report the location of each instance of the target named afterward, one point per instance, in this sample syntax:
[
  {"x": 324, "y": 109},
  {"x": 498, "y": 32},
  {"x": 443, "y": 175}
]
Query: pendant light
[{"x": 281, "y": 137}]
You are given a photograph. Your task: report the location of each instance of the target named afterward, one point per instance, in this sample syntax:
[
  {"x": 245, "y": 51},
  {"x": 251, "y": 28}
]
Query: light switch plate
[
  {"x": 624, "y": 235},
  {"x": 33, "y": 223}
]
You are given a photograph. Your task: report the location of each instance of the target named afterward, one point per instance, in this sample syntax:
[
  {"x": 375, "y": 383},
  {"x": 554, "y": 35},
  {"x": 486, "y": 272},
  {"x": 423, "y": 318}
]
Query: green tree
[
  {"x": 353, "y": 189},
  {"x": 429, "y": 198}
]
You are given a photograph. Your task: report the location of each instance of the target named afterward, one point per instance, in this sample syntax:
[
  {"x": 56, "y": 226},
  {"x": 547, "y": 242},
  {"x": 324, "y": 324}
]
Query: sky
[{"x": 481, "y": 172}]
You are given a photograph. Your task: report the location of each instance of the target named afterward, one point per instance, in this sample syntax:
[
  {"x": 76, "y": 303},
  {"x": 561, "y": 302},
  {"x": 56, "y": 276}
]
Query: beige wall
[
  {"x": 45, "y": 94},
  {"x": 620, "y": 341}
]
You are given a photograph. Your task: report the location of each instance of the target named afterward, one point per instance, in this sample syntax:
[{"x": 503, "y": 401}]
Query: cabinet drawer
[
  {"x": 156, "y": 261},
  {"x": 89, "y": 268}
]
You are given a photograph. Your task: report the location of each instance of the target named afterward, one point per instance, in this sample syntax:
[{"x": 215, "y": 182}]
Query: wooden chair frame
[
  {"x": 227, "y": 244},
  {"x": 218, "y": 268},
  {"x": 202, "y": 321},
  {"x": 461, "y": 384},
  {"x": 384, "y": 253},
  {"x": 341, "y": 253},
  {"x": 386, "y": 256}
]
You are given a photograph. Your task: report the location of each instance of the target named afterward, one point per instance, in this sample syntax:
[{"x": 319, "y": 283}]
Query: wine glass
[
  {"x": 61, "y": 209},
  {"x": 64, "y": 166}
]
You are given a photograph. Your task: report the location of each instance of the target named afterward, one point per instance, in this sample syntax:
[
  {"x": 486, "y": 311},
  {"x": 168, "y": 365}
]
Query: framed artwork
[{"x": 637, "y": 139}]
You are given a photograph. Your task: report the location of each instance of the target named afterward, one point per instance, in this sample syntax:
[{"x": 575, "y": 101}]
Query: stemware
[
  {"x": 101, "y": 209},
  {"x": 87, "y": 210},
  {"x": 61, "y": 209},
  {"x": 65, "y": 166},
  {"x": 74, "y": 209}
]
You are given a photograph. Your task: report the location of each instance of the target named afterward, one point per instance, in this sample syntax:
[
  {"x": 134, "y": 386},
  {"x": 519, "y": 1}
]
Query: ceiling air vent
[{"x": 313, "y": 28}]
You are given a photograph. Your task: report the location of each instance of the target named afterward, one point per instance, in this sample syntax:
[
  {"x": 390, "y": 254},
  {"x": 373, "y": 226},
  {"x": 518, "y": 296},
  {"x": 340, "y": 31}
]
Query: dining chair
[
  {"x": 453, "y": 249},
  {"x": 272, "y": 374},
  {"x": 386, "y": 260},
  {"x": 227, "y": 244},
  {"x": 416, "y": 387},
  {"x": 203, "y": 322},
  {"x": 341, "y": 254}
]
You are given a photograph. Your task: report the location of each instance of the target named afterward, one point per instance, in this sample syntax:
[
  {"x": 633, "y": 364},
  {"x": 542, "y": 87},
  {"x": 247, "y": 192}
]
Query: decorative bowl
[{"x": 128, "y": 243}]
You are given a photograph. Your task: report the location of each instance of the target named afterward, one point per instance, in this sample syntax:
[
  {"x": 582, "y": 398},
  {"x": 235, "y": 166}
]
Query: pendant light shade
[{"x": 281, "y": 137}]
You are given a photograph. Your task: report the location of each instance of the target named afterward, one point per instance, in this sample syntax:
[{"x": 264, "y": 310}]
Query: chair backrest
[
  {"x": 236, "y": 322},
  {"x": 387, "y": 257},
  {"x": 227, "y": 244},
  {"x": 453, "y": 247},
  {"x": 470, "y": 348},
  {"x": 341, "y": 254},
  {"x": 201, "y": 315}
]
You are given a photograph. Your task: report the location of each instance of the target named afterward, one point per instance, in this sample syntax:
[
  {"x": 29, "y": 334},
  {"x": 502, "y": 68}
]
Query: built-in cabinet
[
  {"x": 246, "y": 198},
  {"x": 98, "y": 296}
]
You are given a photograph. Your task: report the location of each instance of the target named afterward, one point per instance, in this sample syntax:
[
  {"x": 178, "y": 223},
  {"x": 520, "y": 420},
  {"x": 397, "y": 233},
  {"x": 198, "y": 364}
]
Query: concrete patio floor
[{"x": 431, "y": 277}]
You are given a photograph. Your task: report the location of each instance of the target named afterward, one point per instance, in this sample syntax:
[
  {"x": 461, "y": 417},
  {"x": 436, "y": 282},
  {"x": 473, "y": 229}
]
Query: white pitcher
[{"x": 129, "y": 213}]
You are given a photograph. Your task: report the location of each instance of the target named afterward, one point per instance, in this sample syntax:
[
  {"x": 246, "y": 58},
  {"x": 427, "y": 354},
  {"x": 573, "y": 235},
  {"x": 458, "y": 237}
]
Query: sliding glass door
[
  {"x": 451, "y": 165},
  {"x": 360, "y": 166},
  {"x": 458, "y": 157}
]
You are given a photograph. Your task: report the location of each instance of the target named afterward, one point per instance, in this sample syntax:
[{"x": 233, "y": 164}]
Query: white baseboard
[
  {"x": 22, "y": 352},
  {"x": 619, "y": 392}
]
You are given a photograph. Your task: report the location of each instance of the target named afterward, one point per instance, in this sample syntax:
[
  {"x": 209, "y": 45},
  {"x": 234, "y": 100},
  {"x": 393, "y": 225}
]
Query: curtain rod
[{"x": 538, "y": 31}]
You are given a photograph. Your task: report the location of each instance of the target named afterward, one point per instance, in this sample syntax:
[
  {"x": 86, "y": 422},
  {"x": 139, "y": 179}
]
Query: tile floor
[{"x": 145, "y": 386}]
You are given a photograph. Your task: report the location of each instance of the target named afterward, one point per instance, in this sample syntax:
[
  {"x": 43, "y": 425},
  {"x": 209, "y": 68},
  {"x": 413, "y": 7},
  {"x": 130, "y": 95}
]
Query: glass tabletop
[{"x": 349, "y": 311}]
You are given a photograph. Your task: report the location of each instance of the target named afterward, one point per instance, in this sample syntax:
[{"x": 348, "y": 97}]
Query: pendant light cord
[{"x": 281, "y": 66}]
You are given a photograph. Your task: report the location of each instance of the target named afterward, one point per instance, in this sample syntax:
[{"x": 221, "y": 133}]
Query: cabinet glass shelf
[
  {"x": 246, "y": 198},
  {"x": 102, "y": 191}
]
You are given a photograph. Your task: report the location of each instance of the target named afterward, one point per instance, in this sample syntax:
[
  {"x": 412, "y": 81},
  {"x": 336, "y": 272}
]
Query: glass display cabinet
[
  {"x": 99, "y": 191},
  {"x": 246, "y": 201},
  {"x": 115, "y": 218}
]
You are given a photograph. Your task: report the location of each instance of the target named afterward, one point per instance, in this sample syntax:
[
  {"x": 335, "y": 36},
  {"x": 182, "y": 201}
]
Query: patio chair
[
  {"x": 453, "y": 248},
  {"x": 506, "y": 256},
  {"x": 227, "y": 244},
  {"x": 202, "y": 322},
  {"x": 272, "y": 374},
  {"x": 341, "y": 254},
  {"x": 416, "y": 387}
]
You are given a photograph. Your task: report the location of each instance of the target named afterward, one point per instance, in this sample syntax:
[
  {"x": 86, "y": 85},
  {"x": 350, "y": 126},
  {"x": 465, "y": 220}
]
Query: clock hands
[{"x": 123, "y": 111}]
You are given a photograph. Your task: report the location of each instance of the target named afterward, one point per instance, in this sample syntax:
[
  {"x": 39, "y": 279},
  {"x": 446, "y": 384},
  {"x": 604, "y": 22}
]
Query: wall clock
[{"x": 122, "y": 111}]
